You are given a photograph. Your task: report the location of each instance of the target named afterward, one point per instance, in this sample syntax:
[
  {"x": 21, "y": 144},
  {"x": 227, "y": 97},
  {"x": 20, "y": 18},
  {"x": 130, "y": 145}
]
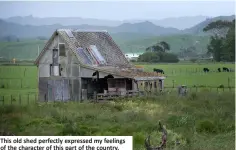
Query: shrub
[
  {"x": 155, "y": 57},
  {"x": 205, "y": 126},
  {"x": 149, "y": 57},
  {"x": 193, "y": 60}
]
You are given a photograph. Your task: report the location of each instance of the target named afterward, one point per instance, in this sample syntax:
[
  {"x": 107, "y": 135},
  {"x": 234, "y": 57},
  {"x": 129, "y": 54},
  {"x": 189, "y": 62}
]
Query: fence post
[
  {"x": 228, "y": 82},
  {"x": 20, "y": 99},
  {"x": 24, "y": 72},
  {"x": 62, "y": 88},
  {"x": 2, "y": 99},
  {"x": 35, "y": 97},
  {"x": 28, "y": 99},
  {"x": 11, "y": 99},
  {"x": 21, "y": 83}
]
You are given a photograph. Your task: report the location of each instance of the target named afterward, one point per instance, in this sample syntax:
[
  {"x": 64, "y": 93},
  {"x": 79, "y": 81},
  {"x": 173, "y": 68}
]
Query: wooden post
[
  {"x": 21, "y": 83},
  {"x": 62, "y": 89},
  {"x": 20, "y": 99},
  {"x": 80, "y": 84},
  {"x": 28, "y": 99},
  {"x": 11, "y": 99},
  {"x": 35, "y": 97},
  {"x": 228, "y": 82}
]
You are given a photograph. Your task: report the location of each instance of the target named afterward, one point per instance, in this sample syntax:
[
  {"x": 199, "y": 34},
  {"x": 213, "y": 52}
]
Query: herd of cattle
[{"x": 224, "y": 69}]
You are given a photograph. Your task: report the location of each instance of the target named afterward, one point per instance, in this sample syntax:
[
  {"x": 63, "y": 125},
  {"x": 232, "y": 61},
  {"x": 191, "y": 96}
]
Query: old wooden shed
[{"x": 75, "y": 65}]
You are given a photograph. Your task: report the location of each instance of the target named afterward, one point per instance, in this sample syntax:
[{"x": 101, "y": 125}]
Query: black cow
[
  {"x": 158, "y": 70},
  {"x": 219, "y": 70},
  {"x": 225, "y": 69},
  {"x": 206, "y": 70}
]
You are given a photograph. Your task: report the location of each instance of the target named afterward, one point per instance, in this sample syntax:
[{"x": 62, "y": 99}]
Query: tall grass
[{"x": 200, "y": 121}]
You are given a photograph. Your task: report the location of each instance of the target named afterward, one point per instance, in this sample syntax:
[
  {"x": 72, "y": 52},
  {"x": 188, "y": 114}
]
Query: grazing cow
[
  {"x": 206, "y": 70},
  {"x": 219, "y": 70},
  {"x": 158, "y": 70},
  {"x": 225, "y": 69}
]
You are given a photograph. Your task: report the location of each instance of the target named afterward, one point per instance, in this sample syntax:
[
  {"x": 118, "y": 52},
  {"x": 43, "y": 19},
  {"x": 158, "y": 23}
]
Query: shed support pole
[
  {"x": 80, "y": 85},
  {"x": 162, "y": 85}
]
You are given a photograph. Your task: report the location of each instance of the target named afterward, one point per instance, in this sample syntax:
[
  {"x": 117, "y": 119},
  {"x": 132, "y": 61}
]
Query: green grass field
[
  {"x": 19, "y": 84},
  {"x": 202, "y": 121},
  {"x": 13, "y": 78},
  {"x": 23, "y": 50},
  {"x": 192, "y": 74}
]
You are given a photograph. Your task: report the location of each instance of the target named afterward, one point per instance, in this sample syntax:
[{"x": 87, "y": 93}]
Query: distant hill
[
  {"x": 144, "y": 28},
  {"x": 65, "y": 21},
  {"x": 198, "y": 29},
  {"x": 131, "y": 37},
  {"x": 177, "y": 42},
  {"x": 28, "y": 49},
  {"x": 27, "y": 31},
  {"x": 174, "y": 22},
  {"x": 127, "y": 36}
]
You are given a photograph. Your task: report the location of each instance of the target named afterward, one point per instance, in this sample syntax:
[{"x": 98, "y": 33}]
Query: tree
[
  {"x": 159, "y": 47},
  {"x": 149, "y": 57},
  {"x": 216, "y": 47},
  {"x": 222, "y": 44},
  {"x": 154, "y": 48},
  {"x": 155, "y": 57},
  {"x": 165, "y": 46}
]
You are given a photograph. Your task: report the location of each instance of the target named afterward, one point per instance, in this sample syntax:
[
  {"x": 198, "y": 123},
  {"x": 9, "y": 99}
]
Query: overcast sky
[{"x": 117, "y": 10}]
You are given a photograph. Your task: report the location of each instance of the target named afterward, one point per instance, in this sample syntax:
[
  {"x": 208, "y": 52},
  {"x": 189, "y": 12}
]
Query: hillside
[
  {"x": 29, "y": 31},
  {"x": 23, "y": 50},
  {"x": 145, "y": 28},
  {"x": 176, "y": 43},
  {"x": 174, "y": 22},
  {"x": 142, "y": 28},
  {"x": 28, "y": 49},
  {"x": 198, "y": 29},
  {"x": 134, "y": 37}
]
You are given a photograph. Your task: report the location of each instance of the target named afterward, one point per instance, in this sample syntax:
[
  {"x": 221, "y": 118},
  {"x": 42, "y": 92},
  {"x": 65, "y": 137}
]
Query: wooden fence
[{"x": 32, "y": 98}]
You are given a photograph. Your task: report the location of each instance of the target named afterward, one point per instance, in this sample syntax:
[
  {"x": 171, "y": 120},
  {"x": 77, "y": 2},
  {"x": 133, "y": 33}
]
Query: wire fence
[
  {"x": 32, "y": 98},
  {"x": 197, "y": 71}
]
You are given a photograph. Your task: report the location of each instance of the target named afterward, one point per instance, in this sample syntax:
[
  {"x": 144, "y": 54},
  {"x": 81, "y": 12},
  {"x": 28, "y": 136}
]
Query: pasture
[
  {"x": 24, "y": 78},
  {"x": 191, "y": 74},
  {"x": 18, "y": 84},
  {"x": 202, "y": 121}
]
